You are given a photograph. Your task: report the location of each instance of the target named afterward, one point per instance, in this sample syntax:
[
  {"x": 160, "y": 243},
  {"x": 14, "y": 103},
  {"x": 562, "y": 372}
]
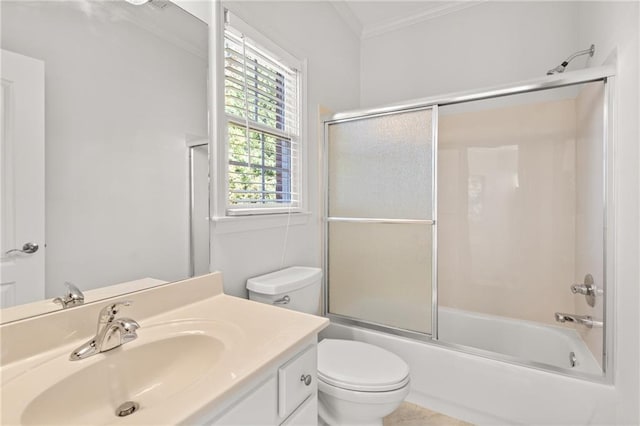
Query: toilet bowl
[{"x": 358, "y": 383}]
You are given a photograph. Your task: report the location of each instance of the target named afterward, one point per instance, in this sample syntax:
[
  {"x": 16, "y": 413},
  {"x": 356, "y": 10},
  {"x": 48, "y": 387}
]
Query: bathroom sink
[{"x": 163, "y": 362}]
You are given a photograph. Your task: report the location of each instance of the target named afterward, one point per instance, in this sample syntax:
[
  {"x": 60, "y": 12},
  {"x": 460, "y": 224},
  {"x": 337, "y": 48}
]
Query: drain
[{"x": 127, "y": 408}]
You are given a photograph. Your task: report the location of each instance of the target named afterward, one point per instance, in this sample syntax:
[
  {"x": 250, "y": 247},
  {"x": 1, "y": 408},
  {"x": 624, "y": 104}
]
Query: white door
[{"x": 22, "y": 174}]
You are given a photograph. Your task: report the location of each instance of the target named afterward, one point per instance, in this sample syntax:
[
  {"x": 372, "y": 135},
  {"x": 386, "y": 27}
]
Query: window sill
[{"x": 231, "y": 224}]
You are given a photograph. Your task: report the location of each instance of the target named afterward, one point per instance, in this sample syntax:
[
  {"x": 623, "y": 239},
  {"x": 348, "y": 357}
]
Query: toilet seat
[{"x": 359, "y": 366}]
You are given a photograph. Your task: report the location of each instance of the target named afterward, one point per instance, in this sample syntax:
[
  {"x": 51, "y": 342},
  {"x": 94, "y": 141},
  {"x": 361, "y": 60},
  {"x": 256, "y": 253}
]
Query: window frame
[{"x": 299, "y": 170}]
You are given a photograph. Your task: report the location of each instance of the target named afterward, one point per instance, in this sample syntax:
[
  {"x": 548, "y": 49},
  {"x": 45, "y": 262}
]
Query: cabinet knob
[{"x": 306, "y": 379}]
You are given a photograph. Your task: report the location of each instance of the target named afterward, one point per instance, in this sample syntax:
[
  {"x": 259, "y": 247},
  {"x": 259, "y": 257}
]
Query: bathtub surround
[
  {"x": 521, "y": 207},
  {"x": 506, "y": 207}
]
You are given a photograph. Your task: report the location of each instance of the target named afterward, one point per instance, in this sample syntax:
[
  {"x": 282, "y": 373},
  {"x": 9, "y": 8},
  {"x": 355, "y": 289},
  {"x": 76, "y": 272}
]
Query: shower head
[{"x": 560, "y": 68}]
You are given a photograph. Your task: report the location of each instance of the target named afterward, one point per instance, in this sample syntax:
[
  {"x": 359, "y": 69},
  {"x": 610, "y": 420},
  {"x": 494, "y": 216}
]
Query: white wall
[
  {"x": 120, "y": 102},
  {"x": 245, "y": 247},
  {"x": 501, "y": 42},
  {"x": 613, "y": 28},
  {"x": 487, "y": 44}
]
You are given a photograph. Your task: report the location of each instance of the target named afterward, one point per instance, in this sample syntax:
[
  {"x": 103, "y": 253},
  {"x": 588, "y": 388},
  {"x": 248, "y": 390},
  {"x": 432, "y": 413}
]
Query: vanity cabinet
[{"x": 287, "y": 394}]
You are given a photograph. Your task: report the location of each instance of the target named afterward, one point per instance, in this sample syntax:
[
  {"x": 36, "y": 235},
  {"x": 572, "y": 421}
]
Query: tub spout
[{"x": 585, "y": 320}]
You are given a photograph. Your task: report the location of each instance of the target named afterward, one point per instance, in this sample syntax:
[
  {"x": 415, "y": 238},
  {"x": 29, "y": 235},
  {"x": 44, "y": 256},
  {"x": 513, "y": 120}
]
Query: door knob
[{"x": 27, "y": 248}]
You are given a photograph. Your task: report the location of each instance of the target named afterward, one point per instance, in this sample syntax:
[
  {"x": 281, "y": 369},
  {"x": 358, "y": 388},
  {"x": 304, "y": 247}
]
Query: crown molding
[
  {"x": 347, "y": 15},
  {"x": 435, "y": 12},
  {"x": 148, "y": 20},
  {"x": 351, "y": 19}
]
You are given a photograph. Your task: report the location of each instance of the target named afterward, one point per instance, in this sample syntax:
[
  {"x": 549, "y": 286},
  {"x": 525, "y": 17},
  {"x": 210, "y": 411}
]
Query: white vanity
[
  {"x": 286, "y": 394},
  {"x": 201, "y": 357}
]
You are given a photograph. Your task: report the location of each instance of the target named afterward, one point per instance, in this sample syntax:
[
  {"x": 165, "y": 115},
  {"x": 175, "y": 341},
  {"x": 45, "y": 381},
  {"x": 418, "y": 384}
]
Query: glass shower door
[
  {"x": 380, "y": 218},
  {"x": 521, "y": 227}
]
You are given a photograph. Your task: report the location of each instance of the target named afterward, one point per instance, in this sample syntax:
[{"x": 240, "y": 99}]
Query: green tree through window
[{"x": 262, "y": 113}]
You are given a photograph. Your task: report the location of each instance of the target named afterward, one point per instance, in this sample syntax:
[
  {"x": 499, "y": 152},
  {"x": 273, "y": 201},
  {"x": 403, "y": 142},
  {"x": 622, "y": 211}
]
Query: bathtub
[
  {"x": 484, "y": 389},
  {"x": 524, "y": 340}
]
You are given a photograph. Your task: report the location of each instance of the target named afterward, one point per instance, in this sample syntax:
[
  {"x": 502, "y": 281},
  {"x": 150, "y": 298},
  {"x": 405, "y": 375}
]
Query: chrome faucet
[
  {"x": 72, "y": 297},
  {"x": 585, "y": 320},
  {"x": 112, "y": 332}
]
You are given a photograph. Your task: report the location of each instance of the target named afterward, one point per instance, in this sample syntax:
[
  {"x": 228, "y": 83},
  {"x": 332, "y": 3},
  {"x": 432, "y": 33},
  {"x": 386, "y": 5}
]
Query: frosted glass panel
[
  {"x": 381, "y": 167},
  {"x": 381, "y": 273}
]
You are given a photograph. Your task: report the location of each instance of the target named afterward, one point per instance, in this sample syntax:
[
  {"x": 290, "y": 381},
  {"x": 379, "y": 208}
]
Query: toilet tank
[{"x": 296, "y": 288}]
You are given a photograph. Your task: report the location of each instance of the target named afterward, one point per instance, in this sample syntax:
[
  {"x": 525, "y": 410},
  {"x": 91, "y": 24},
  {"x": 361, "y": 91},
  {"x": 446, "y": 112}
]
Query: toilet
[{"x": 358, "y": 383}]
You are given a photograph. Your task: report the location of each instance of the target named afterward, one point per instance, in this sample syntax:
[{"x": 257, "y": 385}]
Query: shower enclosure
[{"x": 478, "y": 221}]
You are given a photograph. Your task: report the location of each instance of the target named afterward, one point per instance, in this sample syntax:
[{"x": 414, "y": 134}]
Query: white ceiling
[{"x": 371, "y": 18}]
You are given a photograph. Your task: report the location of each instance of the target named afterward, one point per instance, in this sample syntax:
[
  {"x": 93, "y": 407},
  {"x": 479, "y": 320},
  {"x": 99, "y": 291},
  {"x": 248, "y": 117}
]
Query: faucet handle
[
  {"x": 74, "y": 294},
  {"x": 72, "y": 297},
  {"x": 109, "y": 312},
  {"x": 588, "y": 289},
  {"x": 128, "y": 329}
]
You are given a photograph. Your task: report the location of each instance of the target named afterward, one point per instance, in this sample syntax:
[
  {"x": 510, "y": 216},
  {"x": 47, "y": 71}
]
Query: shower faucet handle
[
  {"x": 588, "y": 289},
  {"x": 585, "y": 289}
]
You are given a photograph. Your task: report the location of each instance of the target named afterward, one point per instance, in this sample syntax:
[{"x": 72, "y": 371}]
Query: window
[{"x": 263, "y": 116}]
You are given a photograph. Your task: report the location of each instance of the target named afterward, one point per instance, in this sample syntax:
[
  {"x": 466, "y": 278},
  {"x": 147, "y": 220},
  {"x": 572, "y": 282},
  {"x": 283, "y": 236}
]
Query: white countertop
[{"x": 255, "y": 335}]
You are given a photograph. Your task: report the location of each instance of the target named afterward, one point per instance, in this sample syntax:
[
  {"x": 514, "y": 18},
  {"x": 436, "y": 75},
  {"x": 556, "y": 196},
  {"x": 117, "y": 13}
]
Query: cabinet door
[
  {"x": 297, "y": 381},
  {"x": 256, "y": 409},
  {"x": 306, "y": 415}
]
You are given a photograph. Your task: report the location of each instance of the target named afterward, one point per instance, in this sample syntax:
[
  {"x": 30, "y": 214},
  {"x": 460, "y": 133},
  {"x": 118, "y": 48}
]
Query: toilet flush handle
[{"x": 282, "y": 301}]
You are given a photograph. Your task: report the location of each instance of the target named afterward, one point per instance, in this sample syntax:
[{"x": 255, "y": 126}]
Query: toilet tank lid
[{"x": 284, "y": 280}]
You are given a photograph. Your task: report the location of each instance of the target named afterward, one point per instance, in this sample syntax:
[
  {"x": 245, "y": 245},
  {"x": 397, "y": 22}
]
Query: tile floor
[{"x": 409, "y": 414}]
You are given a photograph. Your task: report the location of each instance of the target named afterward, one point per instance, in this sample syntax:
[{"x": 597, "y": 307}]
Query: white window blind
[{"x": 263, "y": 116}]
